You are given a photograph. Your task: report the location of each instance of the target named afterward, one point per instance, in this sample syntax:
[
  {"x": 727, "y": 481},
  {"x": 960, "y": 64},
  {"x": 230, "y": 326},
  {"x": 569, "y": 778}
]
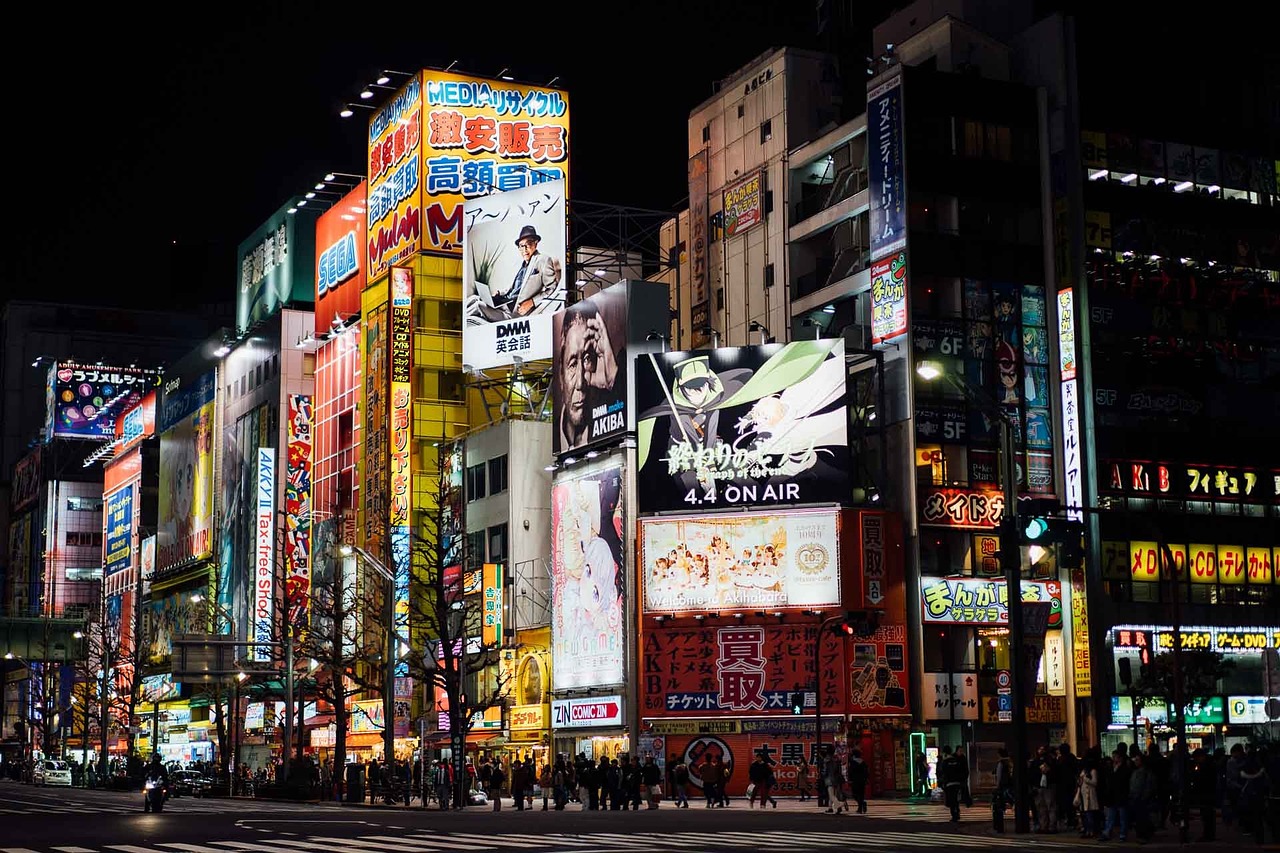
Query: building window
[
  {"x": 475, "y": 482},
  {"x": 706, "y": 133},
  {"x": 498, "y": 475},
  {"x": 84, "y": 574},
  {"x": 741, "y": 110},
  {"x": 81, "y": 504},
  {"x": 475, "y": 549},
  {"x": 766, "y": 131},
  {"x": 498, "y": 544},
  {"x": 84, "y": 538}
]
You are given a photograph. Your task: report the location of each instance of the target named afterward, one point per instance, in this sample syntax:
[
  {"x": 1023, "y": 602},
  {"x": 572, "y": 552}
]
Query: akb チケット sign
[{"x": 586, "y": 713}]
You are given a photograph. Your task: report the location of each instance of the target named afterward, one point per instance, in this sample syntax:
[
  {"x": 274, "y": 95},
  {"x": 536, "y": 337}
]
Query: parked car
[
  {"x": 190, "y": 782},
  {"x": 49, "y": 771}
]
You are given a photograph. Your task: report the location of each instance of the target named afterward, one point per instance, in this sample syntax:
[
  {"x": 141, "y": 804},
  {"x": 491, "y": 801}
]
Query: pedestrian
[
  {"x": 545, "y": 782},
  {"x": 833, "y": 781},
  {"x": 1068, "y": 768},
  {"x": 722, "y": 785},
  {"x": 1115, "y": 796},
  {"x": 804, "y": 779},
  {"x": 558, "y": 778},
  {"x": 922, "y": 773},
  {"x": 1087, "y": 799},
  {"x": 1004, "y": 791},
  {"x": 496, "y": 779},
  {"x": 859, "y": 773},
  {"x": 758, "y": 785},
  {"x": 1142, "y": 789},
  {"x": 1204, "y": 785},
  {"x": 651, "y": 779},
  {"x": 707, "y": 772},
  {"x": 955, "y": 773},
  {"x": 517, "y": 784},
  {"x": 1045, "y": 776},
  {"x": 1230, "y": 784},
  {"x": 680, "y": 783},
  {"x": 613, "y": 785},
  {"x": 635, "y": 782}
]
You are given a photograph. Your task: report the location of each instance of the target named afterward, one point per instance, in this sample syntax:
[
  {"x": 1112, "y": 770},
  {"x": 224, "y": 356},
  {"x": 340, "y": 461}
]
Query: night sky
[{"x": 150, "y": 146}]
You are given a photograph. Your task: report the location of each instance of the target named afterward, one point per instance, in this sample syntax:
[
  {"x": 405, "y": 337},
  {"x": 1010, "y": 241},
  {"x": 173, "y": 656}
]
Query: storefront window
[
  {"x": 993, "y": 649},
  {"x": 949, "y": 648}
]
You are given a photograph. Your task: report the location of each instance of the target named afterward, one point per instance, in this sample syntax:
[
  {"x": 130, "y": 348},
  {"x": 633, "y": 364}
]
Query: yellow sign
[
  {"x": 695, "y": 727},
  {"x": 528, "y": 717},
  {"x": 1260, "y": 566},
  {"x": 1203, "y": 563},
  {"x": 1231, "y": 564},
  {"x": 986, "y": 554},
  {"x": 1080, "y": 635},
  {"x": 1145, "y": 561},
  {"x": 446, "y": 137},
  {"x": 1097, "y": 229}
]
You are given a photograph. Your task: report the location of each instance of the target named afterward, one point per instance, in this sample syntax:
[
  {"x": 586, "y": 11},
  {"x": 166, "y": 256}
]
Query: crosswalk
[
  {"x": 185, "y": 805},
  {"x": 588, "y": 842}
]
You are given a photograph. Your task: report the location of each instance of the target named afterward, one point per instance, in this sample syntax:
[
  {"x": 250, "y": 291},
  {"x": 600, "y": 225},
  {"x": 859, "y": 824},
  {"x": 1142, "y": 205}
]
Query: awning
[
  {"x": 364, "y": 739},
  {"x": 492, "y": 740}
]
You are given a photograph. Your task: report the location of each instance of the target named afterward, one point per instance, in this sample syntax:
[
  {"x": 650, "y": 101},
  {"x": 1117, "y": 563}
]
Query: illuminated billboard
[
  {"x": 119, "y": 518},
  {"x": 297, "y": 512},
  {"x": 275, "y": 267},
  {"x": 264, "y": 563},
  {"x": 513, "y": 276},
  {"x": 752, "y": 562},
  {"x": 588, "y": 580},
  {"x": 400, "y": 496},
  {"x": 84, "y": 400},
  {"x": 742, "y": 426},
  {"x": 589, "y": 362},
  {"x": 340, "y": 259},
  {"x": 445, "y": 137},
  {"x": 186, "y": 473},
  {"x": 743, "y": 204}
]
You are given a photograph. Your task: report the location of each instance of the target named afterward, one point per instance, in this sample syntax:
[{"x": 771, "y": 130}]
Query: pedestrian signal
[{"x": 797, "y": 704}]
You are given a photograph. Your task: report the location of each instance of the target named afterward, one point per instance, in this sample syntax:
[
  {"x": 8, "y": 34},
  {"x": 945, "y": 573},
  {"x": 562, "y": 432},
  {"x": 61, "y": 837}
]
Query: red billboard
[
  {"x": 340, "y": 259},
  {"x": 748, "y": 663}
]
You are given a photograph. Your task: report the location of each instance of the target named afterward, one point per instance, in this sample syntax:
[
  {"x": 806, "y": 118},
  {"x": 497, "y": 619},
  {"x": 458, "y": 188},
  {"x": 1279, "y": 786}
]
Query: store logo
[{"x": 812, "y": 559}]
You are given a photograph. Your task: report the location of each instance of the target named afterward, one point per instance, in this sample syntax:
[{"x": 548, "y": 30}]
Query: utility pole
[{"x": 1011, "y": 564}]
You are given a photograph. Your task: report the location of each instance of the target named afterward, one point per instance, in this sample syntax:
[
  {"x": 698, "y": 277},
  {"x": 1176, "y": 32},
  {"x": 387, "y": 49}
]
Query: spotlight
[
  {"x": 383, "y": 79},
  {"x": 366, "y": 93}
]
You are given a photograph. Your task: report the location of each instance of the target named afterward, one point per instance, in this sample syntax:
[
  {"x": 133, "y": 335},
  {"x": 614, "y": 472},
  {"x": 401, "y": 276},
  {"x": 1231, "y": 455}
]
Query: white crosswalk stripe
[{"x": 588, "y": 842}]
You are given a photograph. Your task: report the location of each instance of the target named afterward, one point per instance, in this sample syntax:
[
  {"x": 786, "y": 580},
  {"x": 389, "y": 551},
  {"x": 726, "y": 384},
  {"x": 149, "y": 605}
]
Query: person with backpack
[
  {"x": 680, "y": 782},
  {"x": 955, "y": 770},
  {"x": 859, "y": 774}
]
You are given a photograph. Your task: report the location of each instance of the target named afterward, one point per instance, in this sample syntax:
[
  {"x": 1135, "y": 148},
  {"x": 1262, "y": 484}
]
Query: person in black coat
[
  {"x": 859, "y": 773},
  {"x": 1204, "y": 792}
]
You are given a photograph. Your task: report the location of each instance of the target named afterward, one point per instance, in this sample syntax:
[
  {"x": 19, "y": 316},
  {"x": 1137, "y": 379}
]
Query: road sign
[
  {"x": 1004, "y": 702},
  {"x": 1004, "y": 680}
]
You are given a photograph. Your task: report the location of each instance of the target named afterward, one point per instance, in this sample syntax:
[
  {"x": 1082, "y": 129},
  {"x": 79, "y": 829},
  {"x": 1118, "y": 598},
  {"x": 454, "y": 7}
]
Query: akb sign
[{"x": 338, "y": 263}]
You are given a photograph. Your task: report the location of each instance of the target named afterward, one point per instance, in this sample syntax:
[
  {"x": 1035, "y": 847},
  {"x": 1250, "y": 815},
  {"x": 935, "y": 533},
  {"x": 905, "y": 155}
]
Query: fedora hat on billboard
[{"x": 528, "y": 233}]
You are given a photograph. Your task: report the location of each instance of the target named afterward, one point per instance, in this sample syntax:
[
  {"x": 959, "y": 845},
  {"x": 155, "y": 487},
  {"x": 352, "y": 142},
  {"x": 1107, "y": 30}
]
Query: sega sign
[{"x": 338, "y": 263}]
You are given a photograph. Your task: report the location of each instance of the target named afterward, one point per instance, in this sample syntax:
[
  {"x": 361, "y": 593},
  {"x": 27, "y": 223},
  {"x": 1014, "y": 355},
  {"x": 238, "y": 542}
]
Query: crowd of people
[{"x": 1131, "y": 792}]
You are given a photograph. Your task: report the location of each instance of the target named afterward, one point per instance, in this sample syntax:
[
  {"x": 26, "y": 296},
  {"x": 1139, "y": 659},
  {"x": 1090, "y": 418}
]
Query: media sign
[
  {"x": 340, "y": 259},
  {"x": 276, "y": 267},
  {"x": 264, "y": 556},
  {"x": 84, "y": 400},
  {"x": 443, "y": 138},
  {"x": 741, "y": 562},
  {"x": 513, "y": 275},
  {"x": 297, "y": 513},
  {"x": 1253, "y": 709},
  {"x": 186, "y": 473},
  {"x": 887, "y": 165},
  {"x": 976, "y": 601},
  {"x": 589, "y": 363},
  {"x": 742, "y": 426},
  {"x": 118, "y": 515},
  {"x": 742, "y": 205},
  {"x": 586, "y": 713}
]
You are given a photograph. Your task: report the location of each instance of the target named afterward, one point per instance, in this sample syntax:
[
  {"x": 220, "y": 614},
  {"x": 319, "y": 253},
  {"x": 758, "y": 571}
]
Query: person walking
[
  {"x": 1003, "y": 793},
  {"x": 1087, "y": 799},
  {"x": 517, "y": 784},
  {"x": 922, "y": 773},
  {"x": 1142, "y": 789},
  {"x": 544, "y": 782},
  {"x": 1045, "y": 774},
  {"x": 680, "y": 782},
  {"x": 804, "y": 779},
  {"x": 651, "y": 780},
  {"x": 1115, "y": 797},
  {"x": 759, "y": 774},
  {"x": 859, "y": 773},
  {"x": 1204, "y": 785},
  {"x": 496, "y": 779},
  {"x": 955, "y": 772},
  {"x": 707, "y": 772},
  {"x": 833, "y": 781}
]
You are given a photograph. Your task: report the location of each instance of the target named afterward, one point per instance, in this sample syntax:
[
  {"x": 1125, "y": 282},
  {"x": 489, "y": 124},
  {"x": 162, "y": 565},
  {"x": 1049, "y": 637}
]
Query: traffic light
[
  {"x": 1039, "y": 523},
  {"x": 1034, "y": 517},
  {"x": 858, "y": 623},
  {"x": 797, "y": 704}
]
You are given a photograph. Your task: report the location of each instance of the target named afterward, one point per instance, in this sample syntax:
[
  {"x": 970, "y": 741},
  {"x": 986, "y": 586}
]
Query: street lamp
[
  {"x": 234, "y": 708},
  {"x": 1011, "y": 565}
]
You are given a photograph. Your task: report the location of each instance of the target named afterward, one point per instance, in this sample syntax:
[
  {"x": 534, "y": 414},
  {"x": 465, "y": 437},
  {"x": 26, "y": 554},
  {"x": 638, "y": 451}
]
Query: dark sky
[{"x": 150, "y": 143}]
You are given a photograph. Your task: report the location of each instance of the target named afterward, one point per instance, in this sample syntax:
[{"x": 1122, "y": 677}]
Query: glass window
[
  {"x": 475, "y": 482},
  {"x": 993, "y": 649},
  {"x": 498, "y": 544},
  {"x": 84, "y": 574},
  {"x": 949, "y": 648},
  {"x": 82, "y": 504},
  {"x": 766, "y": 131},
  {"x": 498, "y": 475},
  {"x": 475, "y": 549}
]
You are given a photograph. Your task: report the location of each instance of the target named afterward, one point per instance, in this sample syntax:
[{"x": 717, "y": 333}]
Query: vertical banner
[
  {"x": 888, "y": 214},
  {"x": 1080, "y": 635},
  {"x": 401, "y": 493},
  {"x": 700, "y": 246},
  {"x": 373, "y": 443},
  {"x": 297, "y": 513},
  {"x": 264, "y": 556},
  {"x": 491, "y": 633},
  {"x": 1073, "y": 497}
]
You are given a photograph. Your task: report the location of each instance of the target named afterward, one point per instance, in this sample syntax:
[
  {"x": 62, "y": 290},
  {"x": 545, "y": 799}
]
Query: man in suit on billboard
[{"x": 537, "y": 278}]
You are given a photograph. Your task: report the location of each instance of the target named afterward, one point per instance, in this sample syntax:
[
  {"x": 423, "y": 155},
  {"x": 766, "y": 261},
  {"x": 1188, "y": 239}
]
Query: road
[{"x": 48, "y": 820}]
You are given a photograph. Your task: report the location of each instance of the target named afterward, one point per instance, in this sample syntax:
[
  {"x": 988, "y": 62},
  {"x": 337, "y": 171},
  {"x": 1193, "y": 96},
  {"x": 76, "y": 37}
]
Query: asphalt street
[{"x": 51, "y": 820}]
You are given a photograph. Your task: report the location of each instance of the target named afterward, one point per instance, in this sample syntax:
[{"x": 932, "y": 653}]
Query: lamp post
[
  {"x": 233, "y": 717},
  {"x": 1011, "y": 567}
]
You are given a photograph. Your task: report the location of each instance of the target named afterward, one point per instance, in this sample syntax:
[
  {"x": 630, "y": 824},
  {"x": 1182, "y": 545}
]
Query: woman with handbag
[{"x": 1087, "y": 801}]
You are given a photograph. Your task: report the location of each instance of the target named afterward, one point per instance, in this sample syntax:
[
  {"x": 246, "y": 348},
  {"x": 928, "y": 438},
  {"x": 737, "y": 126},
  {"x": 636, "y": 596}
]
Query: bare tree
[
  {"x": 451, "y": 652},
  {"x": 336, "y": 642}
]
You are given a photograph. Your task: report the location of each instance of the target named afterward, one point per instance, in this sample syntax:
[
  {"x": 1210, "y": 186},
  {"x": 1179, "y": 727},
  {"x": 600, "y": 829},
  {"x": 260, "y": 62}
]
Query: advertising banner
[
  {"x": 1253, "y": 709},
  {"x": 340, "y": 259},
  {"x": 491, "y": 630},
  {"x": 186, "y": 474},
  {"x": 84, "y": 400},
  {"x": 374, "y": 441},
  {"x": 588, "y": 580},
  {"x": 118, "y": 518},
  {"x": 512, "y": 274},
  {"x": 889, "y": 297},
  {"x": 589, "y": 393},
  {"x": 297, "y": 513},
  {"x": 587, "y": 713},
  {"x": 1080, "y": 655},
  {"x": 742, "y": 205},
  {"x": 975, "y": 509},
  {"x": 276, "y": 267},
  {"x": 447, "y": 137},
  {"x": 753, "y": 669},
  {"x": 124, "y": 468},
  {"x": 136, "y": 424},
  {"x": 741, "y": 562},
  {"x": 742, "y": 426},
  {"x": 978, "y": 601},
  {"x": 700, "y": 243},
  {"x": 887, "y": 167},
  {"x": 400, "y": 495},
  {"x": 28, "y": 478},
  {"x": 264, "y": 569}
]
